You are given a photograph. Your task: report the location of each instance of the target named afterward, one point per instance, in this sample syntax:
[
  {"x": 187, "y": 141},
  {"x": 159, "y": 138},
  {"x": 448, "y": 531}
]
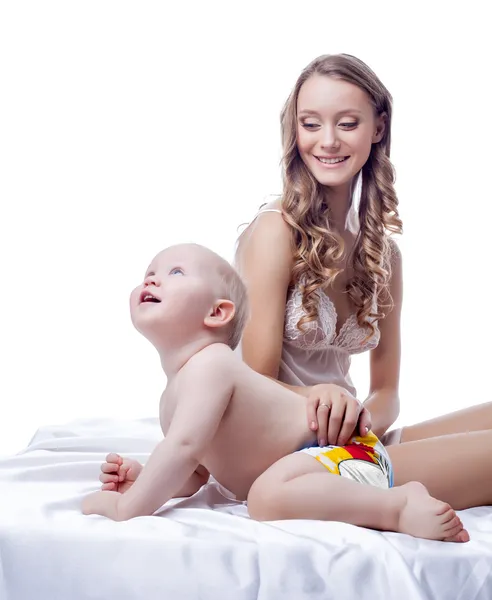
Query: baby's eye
[{"x": 176, "y": 271}]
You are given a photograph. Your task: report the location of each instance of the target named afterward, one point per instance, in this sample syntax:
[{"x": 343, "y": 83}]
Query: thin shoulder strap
[
  {"x": 248, "y": 225},
  {"x": 277, "y": 210}
]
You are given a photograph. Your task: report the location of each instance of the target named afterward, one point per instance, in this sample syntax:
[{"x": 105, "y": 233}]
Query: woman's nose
[{"x": 330, "y": 139}]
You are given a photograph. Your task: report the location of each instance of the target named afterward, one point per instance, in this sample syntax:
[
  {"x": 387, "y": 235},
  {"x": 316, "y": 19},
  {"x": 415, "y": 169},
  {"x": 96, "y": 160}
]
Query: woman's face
[{"x": 336, "y": 127}]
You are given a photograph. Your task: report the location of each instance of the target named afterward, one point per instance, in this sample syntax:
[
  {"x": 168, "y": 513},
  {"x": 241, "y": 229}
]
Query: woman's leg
[
  {"x": 475, "y": 418},
  {"x": 457, "y": 468},
  {"x": 299, "y": 487}
]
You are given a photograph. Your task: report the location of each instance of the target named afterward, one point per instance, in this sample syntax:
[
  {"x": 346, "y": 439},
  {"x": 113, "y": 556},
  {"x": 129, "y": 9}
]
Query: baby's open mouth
[{"x": 148, "y": 297}]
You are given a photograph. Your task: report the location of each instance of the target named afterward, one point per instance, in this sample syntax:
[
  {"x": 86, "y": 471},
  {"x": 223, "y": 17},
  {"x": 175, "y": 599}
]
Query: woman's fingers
[
  {"x": 323, "y": 415},
  {"x": 352, "y": 411},
  {"x": 312, "y": 407},
  {"x": 337, "y": 413},
  {"x": 365, "y": 423}
]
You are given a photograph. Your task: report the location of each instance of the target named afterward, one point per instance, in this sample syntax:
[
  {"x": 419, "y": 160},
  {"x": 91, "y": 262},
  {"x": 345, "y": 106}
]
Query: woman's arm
[
  {"x": 264, "y": 260},
  {"x": 383, "y": 401}
]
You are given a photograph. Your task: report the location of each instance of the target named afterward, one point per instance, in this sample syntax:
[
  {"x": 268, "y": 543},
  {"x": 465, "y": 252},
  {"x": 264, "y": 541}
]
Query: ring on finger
[{"x": 323, "y": 404}]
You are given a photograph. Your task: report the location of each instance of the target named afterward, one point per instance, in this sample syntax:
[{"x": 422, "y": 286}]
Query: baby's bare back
[{"x": 262, "y": 423}]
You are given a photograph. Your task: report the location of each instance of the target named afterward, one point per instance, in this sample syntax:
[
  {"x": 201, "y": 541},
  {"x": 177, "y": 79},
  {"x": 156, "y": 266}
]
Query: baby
[{"x": 222, "y": 418}]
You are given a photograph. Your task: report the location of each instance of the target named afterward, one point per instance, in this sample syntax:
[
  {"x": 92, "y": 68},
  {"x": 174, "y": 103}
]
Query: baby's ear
[{"x": 221, "y": 313}]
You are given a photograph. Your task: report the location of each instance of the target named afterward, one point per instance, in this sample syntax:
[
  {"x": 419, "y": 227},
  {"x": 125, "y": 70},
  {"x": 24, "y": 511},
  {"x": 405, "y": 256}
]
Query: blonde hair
[
  {"x": 233, "y": 289},
  {"x": 317, "y": 247}
]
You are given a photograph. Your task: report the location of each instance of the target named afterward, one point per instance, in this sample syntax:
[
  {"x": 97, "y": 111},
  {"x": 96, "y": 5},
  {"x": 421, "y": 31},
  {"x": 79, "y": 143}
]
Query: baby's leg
[{"x": 300, "y": 487}]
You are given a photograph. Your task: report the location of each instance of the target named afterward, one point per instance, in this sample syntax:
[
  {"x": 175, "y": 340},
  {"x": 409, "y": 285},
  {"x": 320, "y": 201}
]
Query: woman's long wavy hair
[{"x": 305, "y": 205}]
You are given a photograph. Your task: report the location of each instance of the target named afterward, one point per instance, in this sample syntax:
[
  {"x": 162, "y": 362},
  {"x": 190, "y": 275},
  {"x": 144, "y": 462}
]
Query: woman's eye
[
  {"x": 310, "y": 125},
  {"x": 176, "y": 271},
  {"x": 349, "y": 125}
]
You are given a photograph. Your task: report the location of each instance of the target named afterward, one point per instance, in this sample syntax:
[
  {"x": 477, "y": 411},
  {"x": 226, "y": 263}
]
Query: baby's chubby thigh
[
  {"x": 268, "y": 493},
  {"x": 311, "y": 481}
]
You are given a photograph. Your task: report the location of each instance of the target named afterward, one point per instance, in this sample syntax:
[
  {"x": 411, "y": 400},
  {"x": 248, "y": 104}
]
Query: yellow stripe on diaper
[{"x": 332, "y": 458}]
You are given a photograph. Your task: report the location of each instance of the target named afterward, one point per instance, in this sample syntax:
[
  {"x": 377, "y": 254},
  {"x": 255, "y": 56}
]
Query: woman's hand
[{"x": 335, "y": 414}]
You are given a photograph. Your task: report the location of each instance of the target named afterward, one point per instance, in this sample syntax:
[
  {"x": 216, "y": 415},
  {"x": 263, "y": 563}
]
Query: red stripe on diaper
[{"x": 361, "y": 452}]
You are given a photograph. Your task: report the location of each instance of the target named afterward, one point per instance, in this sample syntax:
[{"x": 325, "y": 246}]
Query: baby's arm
[
  {"x": 204, "y": 394},
  {"x": 119, "y": 474},
  {"x": 198, "y": 479}
]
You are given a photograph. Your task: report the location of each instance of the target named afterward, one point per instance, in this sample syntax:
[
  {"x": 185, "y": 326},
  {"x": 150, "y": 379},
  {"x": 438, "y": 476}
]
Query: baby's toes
[
  {"x": 454, "y": 523},
  {"x": 459, "y": 536},
  {"x": 446, "y": 514}
]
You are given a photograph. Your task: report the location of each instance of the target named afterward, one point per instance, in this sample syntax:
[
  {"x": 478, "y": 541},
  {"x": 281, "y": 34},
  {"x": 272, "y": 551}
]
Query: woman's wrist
[{"x": 384, "y": 406}]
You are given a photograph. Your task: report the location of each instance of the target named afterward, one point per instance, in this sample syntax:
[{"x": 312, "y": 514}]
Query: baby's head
[{"x": 189, "y": 290}]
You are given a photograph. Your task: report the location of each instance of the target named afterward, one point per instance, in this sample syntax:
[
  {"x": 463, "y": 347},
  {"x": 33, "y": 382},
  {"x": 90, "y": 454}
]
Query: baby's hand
[{"x": 119, "y": 474}]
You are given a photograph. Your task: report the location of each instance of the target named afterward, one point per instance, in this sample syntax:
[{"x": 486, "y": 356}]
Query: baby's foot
[{"x": 423, "y": 516}]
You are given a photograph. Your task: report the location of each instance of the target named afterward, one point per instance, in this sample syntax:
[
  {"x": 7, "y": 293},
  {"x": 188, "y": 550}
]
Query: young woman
[{"x": 325, "y": 282}]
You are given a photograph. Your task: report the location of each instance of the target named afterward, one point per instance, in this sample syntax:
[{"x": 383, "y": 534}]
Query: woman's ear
[
  {"x": 221, "y": 313},
  {"x": 381, "y": 121}
]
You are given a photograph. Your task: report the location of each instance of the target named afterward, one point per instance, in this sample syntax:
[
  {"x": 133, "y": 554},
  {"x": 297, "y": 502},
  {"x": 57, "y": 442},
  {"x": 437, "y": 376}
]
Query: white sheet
[{"x": 49, "y": 551}]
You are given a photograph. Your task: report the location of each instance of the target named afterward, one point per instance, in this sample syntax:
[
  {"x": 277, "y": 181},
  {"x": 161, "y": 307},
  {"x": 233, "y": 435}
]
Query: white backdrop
[{"x": 126, "y": 127}]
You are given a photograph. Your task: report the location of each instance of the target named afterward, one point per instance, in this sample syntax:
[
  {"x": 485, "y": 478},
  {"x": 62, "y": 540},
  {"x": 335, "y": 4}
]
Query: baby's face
[{"x": 176, "y": 294}]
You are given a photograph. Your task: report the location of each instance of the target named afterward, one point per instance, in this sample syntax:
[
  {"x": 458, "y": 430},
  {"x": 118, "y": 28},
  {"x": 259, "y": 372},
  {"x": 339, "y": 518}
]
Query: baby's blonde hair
[
  {"x": 230, "y": 286},
  {"x": 233, "y": 289}
]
